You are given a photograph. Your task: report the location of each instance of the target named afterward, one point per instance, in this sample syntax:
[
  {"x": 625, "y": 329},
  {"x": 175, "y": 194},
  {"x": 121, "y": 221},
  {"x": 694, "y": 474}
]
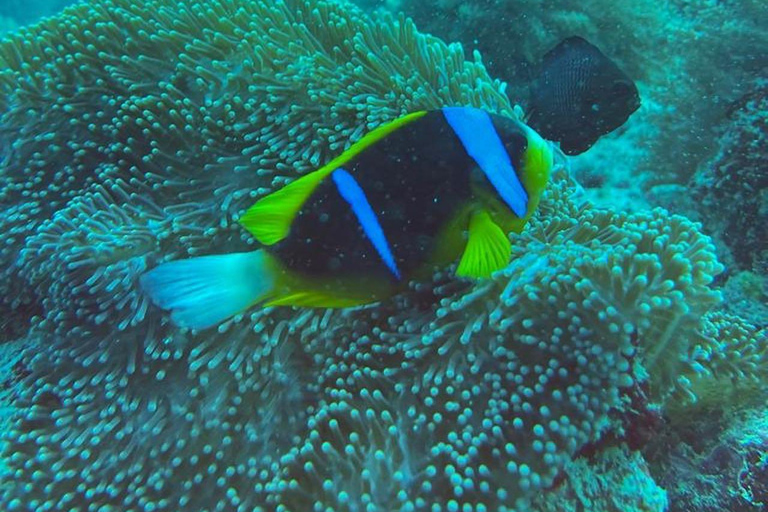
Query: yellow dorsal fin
[
  {"x": 270, "y": 218},
  {"x": 373, "y": 137},
  {"x": 488, "y": 248}
]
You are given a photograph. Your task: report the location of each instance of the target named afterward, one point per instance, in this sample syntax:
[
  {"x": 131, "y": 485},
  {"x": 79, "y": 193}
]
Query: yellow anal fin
[
  {"x": 295, "y": 289},
  {"x": 488, "y": 248},
  {"x": 310, "y": 298},
  {"x": 269, "y": 219},
  {"x": 325, "y": 293}
]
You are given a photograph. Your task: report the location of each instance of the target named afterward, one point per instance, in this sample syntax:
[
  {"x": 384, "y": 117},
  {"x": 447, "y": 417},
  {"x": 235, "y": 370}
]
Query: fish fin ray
[
  {"x": 295, "y": 289},
  {"x": 450, "y": 240},
  {"x": 202, "y": 292},
  {"x": 488, "y": 248}
]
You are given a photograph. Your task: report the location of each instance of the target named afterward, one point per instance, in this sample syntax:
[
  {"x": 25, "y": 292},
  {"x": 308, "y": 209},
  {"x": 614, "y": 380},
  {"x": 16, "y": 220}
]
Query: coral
[
  {"x": 710, "y": 454},
  {"x": 659, "y": 270},
  {"x": 13, "y": 372},
  {"x": 618, "y": 481},
  {"x": 732, "y": 189},
  {"x": 745, "y": 294},
  {"x": 450, "y": 393},
  {"x": 135, "y": 132},
  {"x": 727, "y": 362},
  {"x": 88, "y": 256},
  {"x": 711, "y": 460}
]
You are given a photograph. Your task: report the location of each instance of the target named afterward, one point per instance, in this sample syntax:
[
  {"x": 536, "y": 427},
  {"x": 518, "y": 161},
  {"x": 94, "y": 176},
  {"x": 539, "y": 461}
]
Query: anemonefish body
[{"x": 416, "y": 194}]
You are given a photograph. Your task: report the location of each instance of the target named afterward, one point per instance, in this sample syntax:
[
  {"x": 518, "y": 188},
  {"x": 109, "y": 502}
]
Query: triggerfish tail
[{"x": 202, "y": 292}]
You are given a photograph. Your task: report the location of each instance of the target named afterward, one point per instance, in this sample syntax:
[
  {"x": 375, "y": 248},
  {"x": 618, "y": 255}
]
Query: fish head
[{"x": 531, "y": 157}]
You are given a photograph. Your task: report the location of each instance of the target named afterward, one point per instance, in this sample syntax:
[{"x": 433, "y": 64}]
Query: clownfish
[{"x": 421, "y": 192}]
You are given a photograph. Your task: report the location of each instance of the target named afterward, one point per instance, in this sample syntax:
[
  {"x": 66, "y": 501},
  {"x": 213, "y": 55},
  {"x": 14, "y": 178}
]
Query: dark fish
[{"x": 579, "y": 96}]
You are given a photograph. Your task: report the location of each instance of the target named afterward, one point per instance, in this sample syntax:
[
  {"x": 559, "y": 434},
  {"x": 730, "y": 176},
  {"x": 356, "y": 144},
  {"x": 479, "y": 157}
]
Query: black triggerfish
[
  {"x": 579, "y": 95},
  {"x": 416, "y": 194}
]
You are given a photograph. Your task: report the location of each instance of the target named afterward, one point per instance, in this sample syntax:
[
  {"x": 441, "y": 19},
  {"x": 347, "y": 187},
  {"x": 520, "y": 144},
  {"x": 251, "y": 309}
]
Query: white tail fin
[{"x": 202, "y": 292}]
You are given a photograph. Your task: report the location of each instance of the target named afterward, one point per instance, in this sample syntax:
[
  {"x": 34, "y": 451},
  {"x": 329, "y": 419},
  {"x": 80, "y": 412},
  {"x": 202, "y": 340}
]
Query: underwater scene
[{"x": 384, "y": 255}]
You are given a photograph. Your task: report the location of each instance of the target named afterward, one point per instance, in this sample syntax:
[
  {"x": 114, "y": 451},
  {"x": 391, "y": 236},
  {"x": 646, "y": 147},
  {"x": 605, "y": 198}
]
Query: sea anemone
[{"x": 138, "y": 132}]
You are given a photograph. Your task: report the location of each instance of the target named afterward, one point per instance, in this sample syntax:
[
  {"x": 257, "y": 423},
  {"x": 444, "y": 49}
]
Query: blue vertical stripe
[
  {"x": 481, "y": 142},
  {"x": 354, "y": 195}
]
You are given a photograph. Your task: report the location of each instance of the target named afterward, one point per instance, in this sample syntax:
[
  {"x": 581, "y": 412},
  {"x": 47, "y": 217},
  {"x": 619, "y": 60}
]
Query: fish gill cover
[{"x": 135, "y": 133}]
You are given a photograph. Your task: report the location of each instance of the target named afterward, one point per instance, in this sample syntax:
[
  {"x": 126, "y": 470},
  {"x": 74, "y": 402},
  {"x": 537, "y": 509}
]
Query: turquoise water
[
  {"x": 21, "y": 12},
  {"x": 617, "y": 361}
]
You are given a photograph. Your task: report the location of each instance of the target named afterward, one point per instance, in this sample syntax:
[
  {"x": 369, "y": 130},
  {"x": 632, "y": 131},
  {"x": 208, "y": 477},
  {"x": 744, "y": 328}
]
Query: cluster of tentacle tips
[{"x": 139, "y": 132}]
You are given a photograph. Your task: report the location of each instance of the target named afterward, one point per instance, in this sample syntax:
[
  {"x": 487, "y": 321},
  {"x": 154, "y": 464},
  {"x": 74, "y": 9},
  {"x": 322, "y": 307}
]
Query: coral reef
[
  {"x": 727, "y": 363},
  {"x": 732, "y": 348},
  {"x": 713, "y": 460},
  {"x": 710, "y": 453},
  {"x": 137, "y": 132},
  {"x": 13, "y": 372},
  {"x": 745, "y": 294},
  {"x": 732, "y": 189},
  {"x": 618, "y": 481},
  {"x": 220, "y": 115}
]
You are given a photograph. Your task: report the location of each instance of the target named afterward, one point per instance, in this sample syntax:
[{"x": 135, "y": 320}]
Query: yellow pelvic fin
[
  {"x": 488, "y": 248},
  {"x": 270, "y": 218},
  {"x": 451, "y": 238}
]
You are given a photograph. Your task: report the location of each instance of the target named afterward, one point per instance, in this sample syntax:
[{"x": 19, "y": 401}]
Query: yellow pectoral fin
[
  {"x": 488, "y": 248},
  {"x": 450, "y": 240},
  {"x": 269, "y": 220}
]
